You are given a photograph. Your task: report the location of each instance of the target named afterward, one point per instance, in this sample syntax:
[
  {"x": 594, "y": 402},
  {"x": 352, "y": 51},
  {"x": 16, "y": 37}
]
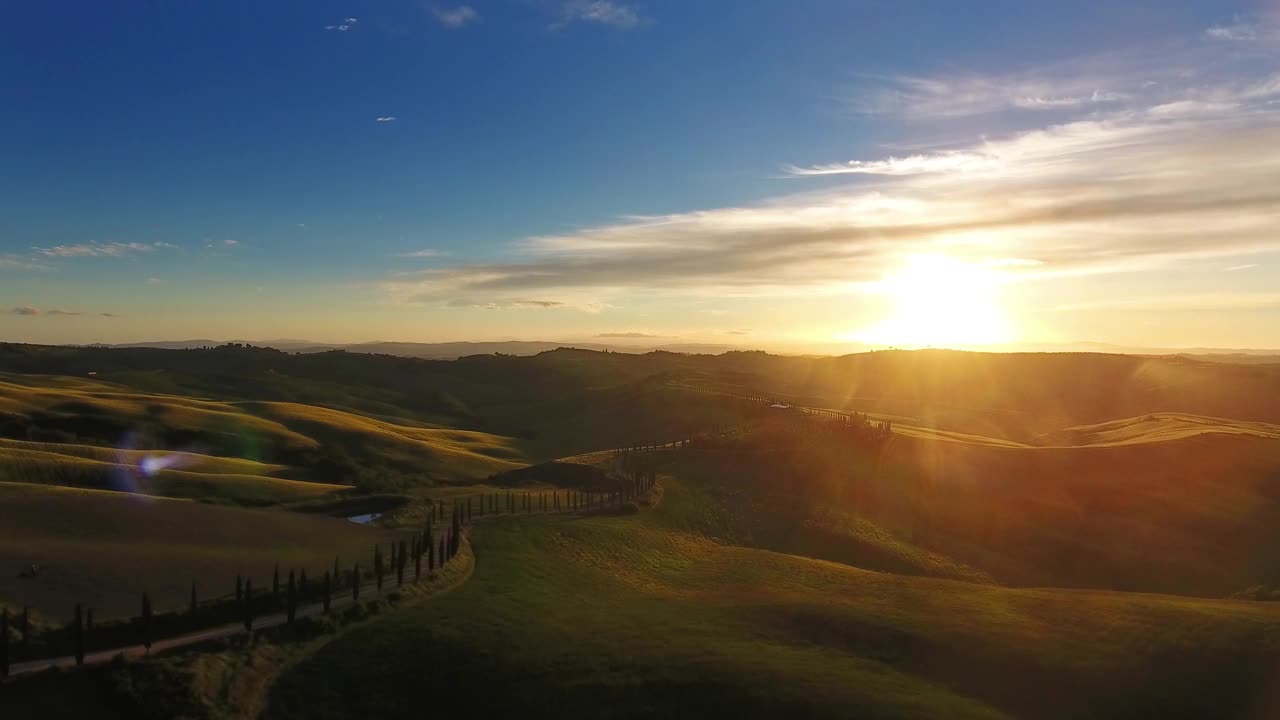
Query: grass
[
  {"x": 103, "y": 549},
  {"x": 629, "y": 617},
  {"x": 87, "y": 433}
]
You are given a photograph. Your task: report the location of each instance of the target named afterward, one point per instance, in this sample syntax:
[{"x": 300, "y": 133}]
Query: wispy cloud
[
  {"x": 93, "y": 249},
  {"x": 424, "y": 253},
  {"x": 1237, "y": 32},
  {"x": 631, "y": 335},
  {"x": 386, "y": 119},
  {"x": 347, "y": 25},
  {"x": 17, "y": 262},
  {"x": 231, "y": 243},
  {"x": 601, "y": 12},
  {"x": 964, "y": 95},
  {"x": 910, "y": 165},
  {"x": 1197, "y": 302},
  {"x": 153, "y": 281},
  {"x": 29, "y": 311},
  {"x": 1246, "y": 266},
  {"x": 1179, "y": 178},
  {"x": 458, "y": 17}
]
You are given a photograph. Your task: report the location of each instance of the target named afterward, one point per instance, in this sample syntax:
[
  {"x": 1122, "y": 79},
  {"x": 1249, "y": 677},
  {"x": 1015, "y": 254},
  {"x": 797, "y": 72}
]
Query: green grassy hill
[
  {"x": 95, "y": 434},
  {"x": 630, "y": 617},
  {"x": 104, "y": 549}
]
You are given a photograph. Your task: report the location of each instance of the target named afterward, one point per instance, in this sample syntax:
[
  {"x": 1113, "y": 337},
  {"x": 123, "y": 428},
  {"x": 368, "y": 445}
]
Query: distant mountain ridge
[
  {"x": 462, "y": 348},
  {"x": 431, "y": 351}
]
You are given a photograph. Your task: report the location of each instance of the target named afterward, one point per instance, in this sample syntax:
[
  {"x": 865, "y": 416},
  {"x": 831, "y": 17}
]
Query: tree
[
  {"x": 247, "y": 605},
  {"x": 88, "y": 627},
  {"x": 400, "y": 559},
  {"x": 443, "y": 558},
  {"x": 455, "y": 536},
  {"x": 355, "y": 583},
  {"x": 302, "y": 584},
  {"x": 4, "y": 643},
  {"x": 24, "y": 628},
  {"x": 193, "y": 599},
  {"x": 78, "y": 634},
  {"x": 146, "y": 621},
  {"x": 431, "y": 554},
  {"x": 337, "y": 577},
  {"x": 275, "y": 585},
  {"x": 239, "y": 589},
  {"x": 417, "y": 559},
  {"x": 328, "y": 591},
  {"x": 291, "y": 600},
  {"x": 377, "y": 565}
]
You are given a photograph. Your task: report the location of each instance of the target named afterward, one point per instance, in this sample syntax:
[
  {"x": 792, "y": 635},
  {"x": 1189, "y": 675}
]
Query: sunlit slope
[
  {"x": 627, "y": 617},
  {"x": 1014, "y": 396},
  {"x": 81, "y": 432},
  {"x": 1165, "y": 505},
  {"x": 104, "y": 549},
  {"x": 1159, "y": 427}
]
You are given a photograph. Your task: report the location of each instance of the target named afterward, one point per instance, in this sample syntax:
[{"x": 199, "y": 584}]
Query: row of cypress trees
[{"x": 296, "y": 589}]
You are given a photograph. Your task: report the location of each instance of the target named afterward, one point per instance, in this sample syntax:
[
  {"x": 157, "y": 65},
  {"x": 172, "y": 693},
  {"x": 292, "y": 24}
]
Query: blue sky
[{"x": 772, "y": 173}]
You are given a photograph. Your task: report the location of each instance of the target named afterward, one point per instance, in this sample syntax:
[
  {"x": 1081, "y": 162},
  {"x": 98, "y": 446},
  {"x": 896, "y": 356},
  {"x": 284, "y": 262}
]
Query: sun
[{"x": 939, "y": 301}]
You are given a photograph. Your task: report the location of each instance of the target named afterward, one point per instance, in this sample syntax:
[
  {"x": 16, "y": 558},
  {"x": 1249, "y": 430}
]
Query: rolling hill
[{"x": 628, "y": 617}]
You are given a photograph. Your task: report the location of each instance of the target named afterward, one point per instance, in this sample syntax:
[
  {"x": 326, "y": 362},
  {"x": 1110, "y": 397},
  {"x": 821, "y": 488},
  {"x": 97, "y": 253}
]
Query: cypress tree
[
  {"x": 247, "y": 605},
  {"x": 302, "y": 584},
  {"x": 337, "y": 576},
  {"x": 193, "y": 599},
  {"x": 146, "y": 621},
  {"x": 400, "y": 565},
  {"x": 355, "y": 583},
  {"x": 275, "y": 585},
  {"x": 431, "y": 554},
  {"x": 4, "y": 643},
  {"x": 24, "y": 628},
  {"x": 443, "y": 558},
  {"x": 78, "y": 634},
  {"x": 88, "y": 628},
  {"x": 239, "y": 589},
  {"x": 291, "y": 600},
  {"x": 417, "y": 560},
  {"x": 377, "y": 565},
  {"x": 328, "y": 591}
]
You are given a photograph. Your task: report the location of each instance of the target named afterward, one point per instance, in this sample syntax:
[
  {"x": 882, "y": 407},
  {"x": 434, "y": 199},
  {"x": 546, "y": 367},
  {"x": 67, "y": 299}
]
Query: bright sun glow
[{"x": 940, "y": 301}]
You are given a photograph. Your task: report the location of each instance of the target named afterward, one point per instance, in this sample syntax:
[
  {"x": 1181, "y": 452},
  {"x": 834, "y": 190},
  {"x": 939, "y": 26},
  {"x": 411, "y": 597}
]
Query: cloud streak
[
  {"x": 598, "y": 12},
  {"x": 455, "y": 18},
  {"x": 93, "y": 249},
  {"x": 1186, "y": 178},
  {"x": 29, "y": 311}
]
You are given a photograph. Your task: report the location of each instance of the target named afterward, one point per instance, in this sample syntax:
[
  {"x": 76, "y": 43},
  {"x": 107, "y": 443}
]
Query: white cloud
[
  {"x": 165, "y": 245},
  {"x": 910, "y": 165},
  {"x": 1134, "y": 189},
  {"x": 153, "y": 281},
  {"x": 347, "y": 25},
  {"x": 600, "y": 12},
  {"x": 231, "y": 243},
  {"x": 386, "y": 119},
  {"x": 29, "y": 311},
  {"x": 425, "y": 253},
  {"x": 1238, "y": 32},
  {"x": 93, "y": 249},
  {"x": 1246, "y": 266},
  {"x": 16, "y": 262},
  {"x": 454, "y": 18}
]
